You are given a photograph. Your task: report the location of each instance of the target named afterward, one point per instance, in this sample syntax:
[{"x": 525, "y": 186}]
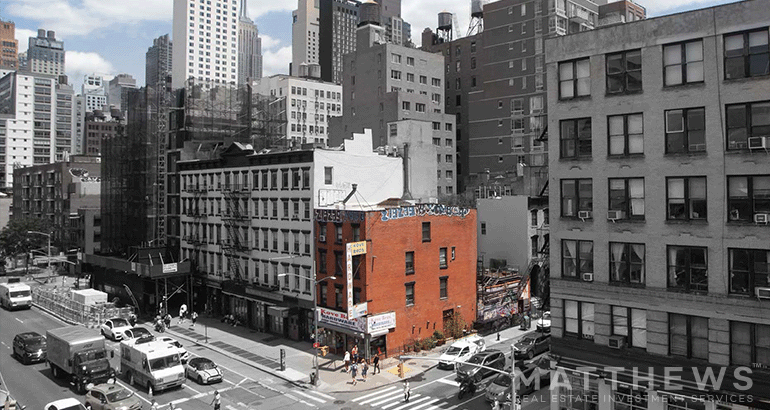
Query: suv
[
  {"x": 30, "y": 347},
  {"x": 490, "y": 358},
  {"x": 112, "y": 397}
]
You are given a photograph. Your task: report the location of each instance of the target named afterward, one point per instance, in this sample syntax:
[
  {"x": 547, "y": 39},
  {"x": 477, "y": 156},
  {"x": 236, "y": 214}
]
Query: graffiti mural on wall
[
  {"x": 336, "y": 215},
  {"x": 422, "y": 210}
]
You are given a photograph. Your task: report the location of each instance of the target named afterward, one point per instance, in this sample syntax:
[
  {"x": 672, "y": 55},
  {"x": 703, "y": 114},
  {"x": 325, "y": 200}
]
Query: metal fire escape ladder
[
  {"x": 234, "y": 218},
  {"x": 163, "y": 98}
]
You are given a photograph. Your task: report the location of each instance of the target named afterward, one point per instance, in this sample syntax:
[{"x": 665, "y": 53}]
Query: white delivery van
[
  {"x": 151, "y": 363},
  {"x": 15, "y": 296},
  {"x": 461, "y": 350}
]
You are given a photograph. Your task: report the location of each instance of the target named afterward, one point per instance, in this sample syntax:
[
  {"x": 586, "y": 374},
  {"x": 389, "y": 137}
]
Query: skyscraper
[
  {"x": 206, "y": 37},
  {"x": 9, "y": 57},
  {"x": 305, "y": 35},
  {"x": 337, "y": 36},
  {"x": 249, "y": 48},
  {"x": 117, "y": 90},
  {"x": 94, "y": 92},
  {"x": 158, "y": 60},
  {"x": 45, "y": 54}
]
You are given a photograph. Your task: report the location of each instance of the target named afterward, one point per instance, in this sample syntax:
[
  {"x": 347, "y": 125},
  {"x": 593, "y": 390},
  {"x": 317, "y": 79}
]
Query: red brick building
[{"x": 418, "y": 271}]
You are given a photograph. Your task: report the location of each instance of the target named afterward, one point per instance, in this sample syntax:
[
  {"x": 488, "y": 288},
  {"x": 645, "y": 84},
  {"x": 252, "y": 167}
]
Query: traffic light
[
  {"x": 324, "y": 350},
  {"x": 401, "y": 369}
]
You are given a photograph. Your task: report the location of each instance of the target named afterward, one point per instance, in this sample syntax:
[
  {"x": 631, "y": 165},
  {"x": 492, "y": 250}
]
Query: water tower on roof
[
  {"x": 444, "y": 30},
  {"x": 369, "y": 13},
  {"x": 477, "y": 17}
]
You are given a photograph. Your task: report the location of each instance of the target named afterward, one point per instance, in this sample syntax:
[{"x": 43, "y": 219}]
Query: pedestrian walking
[
  {"x": 132, "y": 320},
  {"x": 171, "y": 406},
  {"x": 193, "y": 318},
  {"x": 364, "y": 368},
  {"x": 217, "y": 402},
  {"x": 168, "y": 320},
  {"x": 154, "y": 405},
  {"x": 376, "y": 363},
  {"x": 407, "y": 391},
  {"x": 347, "y": 360},
  {"x": 353, "y": 372},
  {"x": 354, "y": 353}
]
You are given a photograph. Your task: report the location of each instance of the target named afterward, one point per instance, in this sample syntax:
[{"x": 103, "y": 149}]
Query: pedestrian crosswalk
[{"x": 392, "y": 398}]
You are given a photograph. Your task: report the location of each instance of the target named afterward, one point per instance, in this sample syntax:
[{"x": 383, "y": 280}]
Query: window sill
[
  {"x": 684, "y": 86},
  {"x": 685, "y": 154},
  {"x": 627, "y": 285},
  {"x": 444, "y": 267},
  {"x": 584, "y": 158},
  {"x": 686, "y": 222},
  {"x": 628, "y": 221},
  {"x": 575, "y": 218},
  {"x": 625, "y": 156},
  {"x": 409, "y": 273},
  {"x": 745, "y": 223},
  {"x": 689, "y": 292},
  {"x": 743, "y": 79},
  {"x": 623, "y": 93},
  {"x": 444, "y": 298},
  {"x": 575, "y": 99}
]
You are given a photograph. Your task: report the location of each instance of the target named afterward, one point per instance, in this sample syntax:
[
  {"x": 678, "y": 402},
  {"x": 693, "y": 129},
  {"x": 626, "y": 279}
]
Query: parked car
[
  {"x": 115, "y": 328},
  {"x": 30, "y": 347},
  {"x": 544, "y": 323},
  {"x": 184, "y": 355},
  {"x": 112, "y": 397},
  {"x": 203, "y": 371},
  {"x": 530, "y": 377},
  {"x": 490, "y": 358},
  {"x": 460, "y": 351},
  {"x": 64, "y": 404},
  {"x": 532, "y": 345},
  {"x": 136, "y": 333}
]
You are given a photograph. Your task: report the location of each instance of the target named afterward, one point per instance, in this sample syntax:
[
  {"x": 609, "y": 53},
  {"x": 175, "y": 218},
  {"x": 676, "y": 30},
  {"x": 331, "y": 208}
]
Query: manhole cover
[{"x": 339, "y": 402}]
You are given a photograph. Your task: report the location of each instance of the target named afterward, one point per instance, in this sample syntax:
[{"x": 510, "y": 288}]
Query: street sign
[
  {"x": 359, "y": 310},
  {"x": 357, "y": 248}
]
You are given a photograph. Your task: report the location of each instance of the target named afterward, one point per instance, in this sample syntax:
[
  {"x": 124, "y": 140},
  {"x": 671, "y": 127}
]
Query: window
[
  {"x": 410, "y": 61},
  {"x": 442, "y": 263},
  {"x": 579, "y": 319},
  {"x": 396, "y": 58},
  {"x": 686, "y": 198},
  {"x": 686, "y": 130},
  {"x": 442, "y": 286},
  {"x": 688, "y": 268},
  {"x": 426, "y": 231},
  {"x": 533, "y": 217},
  {"x": 688, "y": 336},
  {"x": 631, "y": 323},
  {"x": 356, "y": 232},
  {"x": 409, "y": 293},
  {"x": 405, "y": 105},
  {"x": 748, "y": 196},
  {"x": 749, "y": 344},
  {"x": 410, "y": 77},
  {"x": 576, "y": 196},
  {"x": 576, "y": 138},
  {"x": 533, "y": 244},
  {"x": 748, "y": 270},
  {"x": 745, "y": 121},
  {"x": 483, "y": 228},
  {"x": 683, "y": 63},
  {"x": 747, "y": 54},
  {"x": 337, "y": 233},
  {"x": 322, "y": 260},
  {"x": 626, "y": 134},
  {"x": 627, "y": 196},
  {"x": 624, "y": 72},
  {"x": 328, "y": 175},
  {"x": 423, "y": 79},
  {"x": 419, "y": 107},
  {"x": 338, "y": 296},
  {"x": 322, "y": 232},
  {"x": 409, "y": 261},
  {"x": 338, "y": 263},
  {"x": 517, "y": 106},
  {"x": 574, "y": 79},
  {"x": 577, "y": 258},
  {"x": 627, "y": 263},
  {"x": 473, "y": 63}
]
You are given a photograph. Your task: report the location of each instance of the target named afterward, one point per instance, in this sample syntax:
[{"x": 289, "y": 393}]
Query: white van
[
  {"x": 461, "y": 350},
  {"x": 15, "y": 296}
]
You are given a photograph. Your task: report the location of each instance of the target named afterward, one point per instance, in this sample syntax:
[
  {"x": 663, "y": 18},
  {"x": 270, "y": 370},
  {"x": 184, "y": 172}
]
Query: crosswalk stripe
[
  {"x": 427, "y": 403},
  {"x": 449, "y": 382},
  {"x": 373, "y": 394},
  {"x": 310, "y": 397},
  {"x": 397, "y": 402},
  {"x": 325, "y": 396},
  {"x": 412, "y": 403},
  {"x": 390, "y": 396}
]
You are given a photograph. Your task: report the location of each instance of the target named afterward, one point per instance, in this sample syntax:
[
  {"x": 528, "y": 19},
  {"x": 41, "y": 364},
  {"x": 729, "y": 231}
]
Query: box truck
[
  {"x": 151, "y": 363},
  {"x": 15, "y": 296},
  {"x": 80, "y": 355}
]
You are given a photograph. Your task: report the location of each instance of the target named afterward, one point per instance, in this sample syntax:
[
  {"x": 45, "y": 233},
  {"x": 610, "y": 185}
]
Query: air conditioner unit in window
[
  {"x": 759, "y": 142},
  {"x": 585, "y": 214},
  {"x": 616, "y": 342},
  {"x": 762, "y": 293},
  {"x": 322, "y": 238},
  {"x": 588, "y": 276},
  {"x": 615, "y": 215},
  {"x": 761, "y": 218}
]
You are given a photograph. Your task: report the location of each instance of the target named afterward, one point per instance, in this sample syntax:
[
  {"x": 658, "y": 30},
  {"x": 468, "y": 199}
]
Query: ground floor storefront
[{"x": 369, "y": 333}]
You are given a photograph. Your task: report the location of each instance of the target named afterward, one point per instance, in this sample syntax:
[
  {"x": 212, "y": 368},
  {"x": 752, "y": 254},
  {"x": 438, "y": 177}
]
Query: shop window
[
  {"x": 579, "y": 319},
  {"x": 688, "y": 336}
]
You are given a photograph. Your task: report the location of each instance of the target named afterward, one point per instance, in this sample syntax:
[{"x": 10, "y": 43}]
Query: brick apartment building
[{"x": 416, "y": 274}]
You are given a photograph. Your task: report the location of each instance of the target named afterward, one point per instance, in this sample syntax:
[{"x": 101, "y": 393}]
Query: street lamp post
[
  {"x": 49, "y": 245},
  {"x": 315, "y": 317}
]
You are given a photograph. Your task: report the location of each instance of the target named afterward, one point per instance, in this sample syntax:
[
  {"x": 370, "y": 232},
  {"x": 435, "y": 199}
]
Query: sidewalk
[{"x": 262, "y": 351}]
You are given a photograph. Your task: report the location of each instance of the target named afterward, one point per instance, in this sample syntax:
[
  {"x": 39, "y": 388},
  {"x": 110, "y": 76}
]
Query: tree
[{"x": 14, "y": 239}]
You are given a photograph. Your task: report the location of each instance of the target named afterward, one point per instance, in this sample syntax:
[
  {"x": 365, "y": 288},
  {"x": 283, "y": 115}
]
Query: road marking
[
  {"x": 186, "y": 386},
  {"x": 127, "y": 387},
  {"x": 449, "y": 382},
  {"x": 389, "y": 395},
  {"x": 241, "y": 382},
  {"x": 230, "y": 407},
  {"x": 19, "y": 320},
  {"x": 427, "y": 403},
  {"x": 435, "y": 381},
  {"x": 326, "y": 396},
  {"x": 299, "y": 400},
  {"x": 3, "y": 343},
  {"x": 377, "y": 393},
  {"x": 310, "y": 397},
  {"x": 397, "y": 402},
  {"x": 411, "y": 403}
]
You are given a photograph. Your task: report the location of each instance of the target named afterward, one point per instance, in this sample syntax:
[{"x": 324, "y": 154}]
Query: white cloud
[
  {"x": 23, "y": 36},
  {"x": 268, "y": 43},
  {"x": 78, "y": 64},
  {"x": 257, "y": 8},
  {"x": 276, "y": 62}
]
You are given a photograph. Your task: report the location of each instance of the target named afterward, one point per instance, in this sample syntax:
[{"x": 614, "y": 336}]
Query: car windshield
[
  {"x": 140, "y": 331},
  {"x": 453, "y": 351},
  {"x": 19, "y": 294},
  {"x": 164, "y": 362},
  {"x": 476, "y": 359},
  {"x": 119, "y": 395},
  {"x": 36, "y": 343},
  {"x": 119, "y": 322},
  {"x": 503, "y": 380},
  {"x": 206, "y": 365},
  {"x": 527, "y": 341},
  {"x": 547, "y": 316},
  {"x": 90, "y": 355}
]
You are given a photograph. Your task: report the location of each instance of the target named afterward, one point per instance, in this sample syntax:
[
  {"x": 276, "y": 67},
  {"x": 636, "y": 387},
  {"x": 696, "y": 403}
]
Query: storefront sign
[
  {"x": 359, "y": 310},
  {"x": 340, "y": 319},
  {"x": 380, "y": 322},
  {"x": 349, "y": 275},
  {"x": 169, "y": 267},
  {"x": 357, "y": 248},
  {"x": 263, "y": 294}
]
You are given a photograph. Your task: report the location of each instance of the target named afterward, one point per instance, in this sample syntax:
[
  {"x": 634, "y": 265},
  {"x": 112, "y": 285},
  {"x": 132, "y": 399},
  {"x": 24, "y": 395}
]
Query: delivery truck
[
  {"x": 15, "y": 296},
  {"x": 80, "y": 355},
  {"x": 151, "y": 363}
]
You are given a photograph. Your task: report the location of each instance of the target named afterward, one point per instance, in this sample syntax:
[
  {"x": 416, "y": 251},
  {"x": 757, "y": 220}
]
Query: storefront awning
[
  {"x": 279, "y": 311},
  {"x": 340, "y": 329}
]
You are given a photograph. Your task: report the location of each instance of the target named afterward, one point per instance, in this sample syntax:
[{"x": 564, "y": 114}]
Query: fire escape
[{"x": 235, "y": 218}]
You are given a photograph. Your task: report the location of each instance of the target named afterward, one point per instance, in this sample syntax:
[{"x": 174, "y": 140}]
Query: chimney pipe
[{"x": 355, "y": 187}]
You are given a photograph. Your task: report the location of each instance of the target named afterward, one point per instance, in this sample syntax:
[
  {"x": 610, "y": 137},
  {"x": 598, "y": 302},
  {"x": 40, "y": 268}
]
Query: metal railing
[{"x": 61, "y": 303}]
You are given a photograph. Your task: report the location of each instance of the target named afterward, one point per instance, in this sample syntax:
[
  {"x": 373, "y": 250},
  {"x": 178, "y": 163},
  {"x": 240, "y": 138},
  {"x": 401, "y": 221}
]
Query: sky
[{"x": 108, "y": 37}]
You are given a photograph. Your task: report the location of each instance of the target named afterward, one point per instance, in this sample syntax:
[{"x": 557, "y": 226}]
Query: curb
[{"x": 240, "y": 359}]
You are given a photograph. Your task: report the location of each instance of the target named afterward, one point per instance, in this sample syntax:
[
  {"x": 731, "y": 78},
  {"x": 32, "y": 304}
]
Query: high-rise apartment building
[
  {"x": 9, "y": 53},
  {"x": 623, "y": 11},
  {"x": 65, "y": 95},
  {"x": 45, "y": 54},
  {"x": 16, "y": 124},
  {"x": 78, "y": 117},
  {"x": 249, "y": 48},
  {"x": 305, "y": 35},
  {"x": 94, "y": 92},
  {"x": 337, "y": 36},
  {"x": 206, "y": 38},
  {"x": 158, "y": 60},
  {"x": 659, "y": 134},
  {"x": 117, "y": 91}
]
